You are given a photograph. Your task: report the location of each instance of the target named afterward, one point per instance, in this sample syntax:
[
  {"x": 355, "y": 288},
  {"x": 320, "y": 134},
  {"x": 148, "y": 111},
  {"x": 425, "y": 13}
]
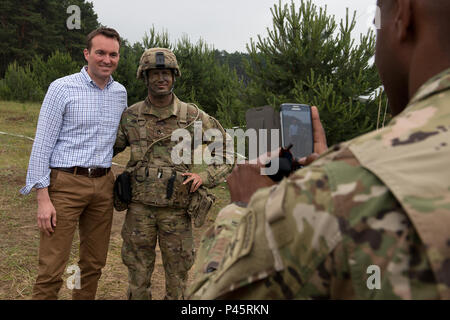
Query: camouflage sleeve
[
  {"x": 216, "y": 238},
  {"x": 121, "y": 139},
  {"x": 330, "y": 231},
  {"x": 220, "y": 158},
  {"x": 284, "y": 237}
]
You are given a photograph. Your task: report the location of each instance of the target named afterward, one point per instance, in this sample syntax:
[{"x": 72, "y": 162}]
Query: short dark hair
[{"x": 107, "y": 32}]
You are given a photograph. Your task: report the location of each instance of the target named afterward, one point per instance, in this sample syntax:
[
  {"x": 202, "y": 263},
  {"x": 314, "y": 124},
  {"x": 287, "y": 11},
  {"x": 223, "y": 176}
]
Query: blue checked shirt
[{"x": 77, "y": 126}]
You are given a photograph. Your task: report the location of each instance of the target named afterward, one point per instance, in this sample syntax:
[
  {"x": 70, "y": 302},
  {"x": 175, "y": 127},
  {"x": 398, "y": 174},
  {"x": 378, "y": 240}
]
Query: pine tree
[
  {"x": 38, "y": 27},
  {"x": 203, "y": 81},
  {"x": 20, "y": 25},
  {"x": 308, "y": 58},
  {"x": 74, "y": 41},
  {"x": 127, "y": 69}
]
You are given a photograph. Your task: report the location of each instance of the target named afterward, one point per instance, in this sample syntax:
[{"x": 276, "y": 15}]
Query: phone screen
[{"x": 297, "y": 129}]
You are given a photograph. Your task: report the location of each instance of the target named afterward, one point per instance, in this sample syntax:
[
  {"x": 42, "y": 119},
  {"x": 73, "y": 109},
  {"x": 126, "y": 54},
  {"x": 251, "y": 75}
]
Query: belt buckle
[{"x": 90, "y": 170}]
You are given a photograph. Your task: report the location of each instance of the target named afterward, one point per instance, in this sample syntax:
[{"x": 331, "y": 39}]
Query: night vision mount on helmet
[{"x": 158, "y": 58}]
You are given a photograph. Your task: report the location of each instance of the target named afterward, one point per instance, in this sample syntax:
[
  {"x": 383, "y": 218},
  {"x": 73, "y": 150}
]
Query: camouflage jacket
[
  {"x": 142, "y": 124},
  {"x": 370, "y": 219}
]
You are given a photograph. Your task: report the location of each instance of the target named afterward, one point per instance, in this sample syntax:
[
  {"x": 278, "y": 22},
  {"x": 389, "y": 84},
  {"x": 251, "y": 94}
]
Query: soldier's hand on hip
[{"x": 196, "y": 180}]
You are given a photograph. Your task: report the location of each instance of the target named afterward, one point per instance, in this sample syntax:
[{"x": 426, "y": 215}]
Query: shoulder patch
[
  {"x": 274, "y": 205},
  {"x": 241, "y": 243}
]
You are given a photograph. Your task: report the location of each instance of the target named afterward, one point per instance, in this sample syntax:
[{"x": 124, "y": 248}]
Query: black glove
[
  {"x": 122, "y": 187},
  {"x": 287, "y": 164}
]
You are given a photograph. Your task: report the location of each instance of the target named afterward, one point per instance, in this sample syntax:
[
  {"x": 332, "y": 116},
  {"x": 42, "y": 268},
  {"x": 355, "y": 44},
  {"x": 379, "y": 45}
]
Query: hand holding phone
[{"x": 318, "y": 134}]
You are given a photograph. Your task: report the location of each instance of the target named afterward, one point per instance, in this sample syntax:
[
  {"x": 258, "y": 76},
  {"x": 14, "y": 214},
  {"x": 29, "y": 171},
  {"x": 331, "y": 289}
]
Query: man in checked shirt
[{"x": 70, "y": 167}]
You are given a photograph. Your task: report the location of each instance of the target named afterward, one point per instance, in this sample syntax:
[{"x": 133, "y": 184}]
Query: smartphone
[{"x": 296, "y": 128}]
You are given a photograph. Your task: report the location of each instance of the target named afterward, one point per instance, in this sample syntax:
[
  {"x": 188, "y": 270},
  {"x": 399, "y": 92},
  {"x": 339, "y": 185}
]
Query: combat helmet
[{"x": 158, "y": 58}]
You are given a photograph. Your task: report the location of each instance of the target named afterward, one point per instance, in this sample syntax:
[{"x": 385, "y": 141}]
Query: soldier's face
[
  {"x": 160, "y": 81},
  {"x": 103, "y": 57}
]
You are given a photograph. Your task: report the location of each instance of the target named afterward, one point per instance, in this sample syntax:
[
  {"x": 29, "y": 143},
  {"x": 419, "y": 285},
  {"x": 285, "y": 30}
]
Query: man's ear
[
  {"x": 403, "y": 18},
  {"x": 86, "y": 54}
]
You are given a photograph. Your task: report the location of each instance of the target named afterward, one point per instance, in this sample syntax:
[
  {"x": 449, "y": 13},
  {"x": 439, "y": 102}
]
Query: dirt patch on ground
[
  {"x": 15, "y": 119},
  {"x": 10, "y": 178}
]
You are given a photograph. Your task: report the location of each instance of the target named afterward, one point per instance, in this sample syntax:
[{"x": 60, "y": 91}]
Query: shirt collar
[
  {"x": 163, "y": 112},
  {"x": 435, "y": 85},
  {"x": 88, "y": 78}
]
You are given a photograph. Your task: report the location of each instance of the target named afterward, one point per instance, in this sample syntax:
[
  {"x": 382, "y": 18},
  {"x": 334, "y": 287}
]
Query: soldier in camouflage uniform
[
  {"x": 160, "y": 196},
  {"x": 370, "y": 219}
]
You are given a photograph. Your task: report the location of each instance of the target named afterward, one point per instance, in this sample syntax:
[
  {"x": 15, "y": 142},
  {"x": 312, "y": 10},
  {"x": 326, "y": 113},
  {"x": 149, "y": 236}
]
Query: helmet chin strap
[
  {"x": 173, "y": 82},
  {"x": 145, "y": 78}
]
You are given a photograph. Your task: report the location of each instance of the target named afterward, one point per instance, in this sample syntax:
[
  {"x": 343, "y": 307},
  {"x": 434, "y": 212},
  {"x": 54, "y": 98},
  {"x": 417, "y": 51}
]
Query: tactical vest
[{"x": 160, "y": 186}]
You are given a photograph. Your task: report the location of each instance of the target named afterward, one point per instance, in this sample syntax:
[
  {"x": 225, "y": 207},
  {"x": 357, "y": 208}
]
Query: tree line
[{"x": 306, "y": 57}]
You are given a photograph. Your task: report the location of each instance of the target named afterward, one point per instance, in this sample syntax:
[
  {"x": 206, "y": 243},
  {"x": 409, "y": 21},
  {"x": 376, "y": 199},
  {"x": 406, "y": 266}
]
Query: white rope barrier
[{"x": 16, "y": 135}]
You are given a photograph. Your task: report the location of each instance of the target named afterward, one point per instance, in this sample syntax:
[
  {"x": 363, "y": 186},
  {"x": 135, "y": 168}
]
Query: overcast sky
[{"x": 225, "y": 24}]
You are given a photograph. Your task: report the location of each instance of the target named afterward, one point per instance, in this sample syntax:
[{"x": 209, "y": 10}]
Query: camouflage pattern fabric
[
  {"x": 216, "y": 238},
  {"x": 142, "y": 124},
  {"x": 380, "y": 200},
  {"x": 143, "y": 226}
]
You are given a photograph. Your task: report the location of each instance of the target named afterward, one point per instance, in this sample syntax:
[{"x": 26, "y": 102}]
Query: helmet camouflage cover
[{"x": 158, "y": 58}]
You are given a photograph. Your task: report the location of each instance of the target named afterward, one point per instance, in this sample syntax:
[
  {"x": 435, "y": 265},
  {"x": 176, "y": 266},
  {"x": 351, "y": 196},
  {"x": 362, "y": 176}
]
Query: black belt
[{"x": 88, "y": 172}]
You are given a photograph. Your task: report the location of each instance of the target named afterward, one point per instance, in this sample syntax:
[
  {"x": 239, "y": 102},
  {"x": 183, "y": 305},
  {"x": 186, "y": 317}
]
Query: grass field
[{"x": 19, "y": 235}]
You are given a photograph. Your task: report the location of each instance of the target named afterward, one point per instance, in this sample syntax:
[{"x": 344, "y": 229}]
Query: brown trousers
[{"x": 77, "y": 200}]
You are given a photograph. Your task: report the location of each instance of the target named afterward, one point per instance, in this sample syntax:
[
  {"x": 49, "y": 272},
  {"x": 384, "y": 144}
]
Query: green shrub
[
  {"x": 20, "y": 85},
  {"x": 58, "y": 65},
  {"x": 126, "y": 72},
  {"x": 5, "y": 93},
  {"x": 309, "y": 57}
]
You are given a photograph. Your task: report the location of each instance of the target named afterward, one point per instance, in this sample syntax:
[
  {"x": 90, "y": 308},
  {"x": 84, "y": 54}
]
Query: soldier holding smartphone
[{"x": 378, "y": 202}]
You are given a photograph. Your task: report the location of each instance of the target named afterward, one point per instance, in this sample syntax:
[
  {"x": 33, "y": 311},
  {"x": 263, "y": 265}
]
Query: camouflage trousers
[{"x": 172, "y": 228}]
